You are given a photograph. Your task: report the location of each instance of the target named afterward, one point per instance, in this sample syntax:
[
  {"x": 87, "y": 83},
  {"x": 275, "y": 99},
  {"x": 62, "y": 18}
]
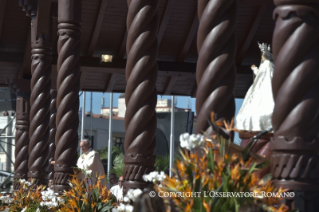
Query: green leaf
[
  {"x": 198, "y": 204},
  {"x": 246, "y": 150},
  {"x": 161, "y": 163},
  {"x": 252, "y": 168},
  {"x": 106, "y": 208},
  {"x": 118, "y": 165},
  {"x": 211, "y": 162},
  {"x": 198, "y": 185},
  {"x": 263, "y": 164},
  {"x": 189, "y": 172},
  {"x": 95, "y": 194},
  {"x": 225, "y": 182},
  {"x": 216, "y": 199},
  {"x": 267, "y": 177},
  {"x": 103, "y": 153}
]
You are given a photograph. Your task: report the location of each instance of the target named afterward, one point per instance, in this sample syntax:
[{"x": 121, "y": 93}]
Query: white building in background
[
  {"x": 7, "y": 143},
  {"x": 100, "y": 126},
  {"x": 162, "y": 106}
]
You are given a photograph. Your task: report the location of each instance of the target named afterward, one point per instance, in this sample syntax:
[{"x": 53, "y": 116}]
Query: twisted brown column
[
  {"x": 141, "y": 93},
  {"x": 40, "y": 105},
  {"x": 295, "y": 162},
  {"x": 52, "y": 126},
  {"x": 68, "y": 86},
  {"x": 216, "y": 69},
  {"x": 21, "y": 139}
]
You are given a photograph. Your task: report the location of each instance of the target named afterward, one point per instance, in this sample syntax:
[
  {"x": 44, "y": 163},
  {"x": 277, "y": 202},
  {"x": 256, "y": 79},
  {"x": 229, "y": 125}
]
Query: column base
[{"x": 304, "y": 201}]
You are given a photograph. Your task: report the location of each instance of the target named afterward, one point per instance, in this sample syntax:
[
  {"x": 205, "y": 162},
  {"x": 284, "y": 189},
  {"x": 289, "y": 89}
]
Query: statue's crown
[{"x": 264, "y": 47}]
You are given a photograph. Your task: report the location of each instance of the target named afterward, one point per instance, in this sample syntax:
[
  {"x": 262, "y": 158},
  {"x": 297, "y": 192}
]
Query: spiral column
[
  {"x": 52, "y": 125},
  {"x": 295, "y": 146},
  {"x": 68, "y": 86},
  {"x": 216, "y": 68},
  {"x": 41, "y": 55},
  {"x": 21, "y": 139},
  {"x": 140, "y": 93}
]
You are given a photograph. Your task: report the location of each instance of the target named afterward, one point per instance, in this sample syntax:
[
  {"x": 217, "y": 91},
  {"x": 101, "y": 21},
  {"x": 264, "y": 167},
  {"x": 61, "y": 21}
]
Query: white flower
[
  {"x": 191, "y": 141},
  {"x": 126, "y": 199},
  {"x": 24, "y": 209},
  {"x": 154, "y": 177},
  {"x": 137, "y": 192},
  {"x": 129, "y": 208},
  {"x": 123, "y": 208},
  {"x": 6, "y": 199},
  {"x": 132, "y": 194},
  {"x": 60, "y": 200},
  {"x": 38, "y": 210},
  {"x": 161, "y": 176},
  {"x": 88, "y": 172}
]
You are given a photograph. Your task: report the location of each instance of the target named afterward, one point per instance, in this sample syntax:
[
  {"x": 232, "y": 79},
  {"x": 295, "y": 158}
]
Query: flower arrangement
[
  {"x": 30, "y": 198},
  {"x": 202, "y": 174},
  {"x": 86, "y": 195}
]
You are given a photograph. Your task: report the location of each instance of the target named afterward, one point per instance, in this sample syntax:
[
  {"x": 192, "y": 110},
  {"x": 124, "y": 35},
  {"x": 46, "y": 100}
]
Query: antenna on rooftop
[
  {"x": 103, "y": 101},
  {"x": 189, "y": 104}
]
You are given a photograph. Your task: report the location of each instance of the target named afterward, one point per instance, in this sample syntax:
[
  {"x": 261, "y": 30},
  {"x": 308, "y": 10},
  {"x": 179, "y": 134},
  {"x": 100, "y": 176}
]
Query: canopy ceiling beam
[
  {"x": 25, "y": 71},
  {"x": 167, "y": 13},
  {"x": 257, "y": 20},
  {"x": 241, "y": 2},
  {"x": 194, "y": 90},
  {"x": 255, "y": 2},
  {"x": 170, "y": 85},
  {"x": 97, "y": 28},
  {"x": 111, "y": 83},
  {"x": 2, "y": 11},
  {"x": 121, "y": 53},
  {"x": 92, "y": 64},
  {"x": 43, "y": 17},
  {"x": 190, "y": 38}
]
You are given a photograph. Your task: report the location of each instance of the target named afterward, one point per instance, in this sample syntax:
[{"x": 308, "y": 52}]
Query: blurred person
[
  {"x": 117, "y": 190},
  {"x": 90, "y": 160},
  {"x": 113, "y": 180}
]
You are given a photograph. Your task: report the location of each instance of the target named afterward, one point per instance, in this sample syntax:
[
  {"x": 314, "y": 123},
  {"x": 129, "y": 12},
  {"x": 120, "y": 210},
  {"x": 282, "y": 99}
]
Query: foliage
[
  {"x": 116, "y": 151},
  {"x": 161, "y": 163},
  {"x": 202, "y": 172},
  {"x": 118, "y": 165},
  {"x": 103, "y": 153}
]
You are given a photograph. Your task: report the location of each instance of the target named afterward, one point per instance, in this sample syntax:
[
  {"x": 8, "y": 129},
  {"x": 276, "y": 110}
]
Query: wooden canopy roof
[{"x": 104, "y": 32}]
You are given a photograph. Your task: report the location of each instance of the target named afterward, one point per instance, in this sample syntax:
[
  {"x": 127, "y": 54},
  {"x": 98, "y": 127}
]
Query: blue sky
[{"x": 182, "y": 102}]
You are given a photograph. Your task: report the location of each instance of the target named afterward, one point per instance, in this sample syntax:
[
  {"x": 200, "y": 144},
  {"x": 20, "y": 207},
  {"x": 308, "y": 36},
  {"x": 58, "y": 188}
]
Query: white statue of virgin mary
[{"x": 256, "y": 111}]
